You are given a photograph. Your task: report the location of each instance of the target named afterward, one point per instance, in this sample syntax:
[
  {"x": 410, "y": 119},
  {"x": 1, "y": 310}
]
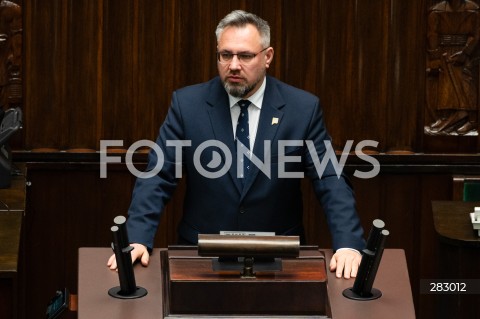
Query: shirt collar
[{"x": 256, "y": 98}]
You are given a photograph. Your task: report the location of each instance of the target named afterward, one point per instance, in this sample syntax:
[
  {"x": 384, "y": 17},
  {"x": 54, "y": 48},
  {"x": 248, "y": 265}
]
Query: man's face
[{"x": 243, "y": 79}]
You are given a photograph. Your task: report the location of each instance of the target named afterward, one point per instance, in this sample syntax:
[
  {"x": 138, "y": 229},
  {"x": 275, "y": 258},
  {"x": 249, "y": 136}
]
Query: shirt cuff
[{"x": 349, "y": 249}]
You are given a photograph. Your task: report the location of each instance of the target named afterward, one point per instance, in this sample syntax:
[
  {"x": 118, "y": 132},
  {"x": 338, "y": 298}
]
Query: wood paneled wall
[{"x": 106, "y": 69}]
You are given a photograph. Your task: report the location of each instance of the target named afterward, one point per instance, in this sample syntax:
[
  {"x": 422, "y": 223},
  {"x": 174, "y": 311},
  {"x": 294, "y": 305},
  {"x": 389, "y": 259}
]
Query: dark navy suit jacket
[{"x": 201, "y": 113}]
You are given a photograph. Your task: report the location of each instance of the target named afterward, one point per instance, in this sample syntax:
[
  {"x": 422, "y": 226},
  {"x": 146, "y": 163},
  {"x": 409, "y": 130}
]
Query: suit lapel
[{"x": 221, "y": 121}]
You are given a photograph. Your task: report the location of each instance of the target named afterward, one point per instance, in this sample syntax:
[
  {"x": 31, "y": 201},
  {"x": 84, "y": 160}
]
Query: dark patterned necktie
[{"x": 242, "y": 134}]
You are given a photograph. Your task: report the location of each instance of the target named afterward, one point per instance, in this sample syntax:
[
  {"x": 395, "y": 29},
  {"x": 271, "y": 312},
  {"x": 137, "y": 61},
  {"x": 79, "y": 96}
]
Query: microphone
[
  {"x": 371, "y": 256},
  {"x": 128, "y": 288}
]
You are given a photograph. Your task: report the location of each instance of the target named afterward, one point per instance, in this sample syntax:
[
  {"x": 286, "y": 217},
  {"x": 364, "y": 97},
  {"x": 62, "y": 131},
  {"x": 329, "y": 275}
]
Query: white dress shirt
[{"x": 253, "y": 111}]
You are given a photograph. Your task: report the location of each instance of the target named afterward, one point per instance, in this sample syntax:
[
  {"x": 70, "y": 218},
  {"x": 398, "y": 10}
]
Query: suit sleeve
[
  {"x": 334, "y": 191},
  {"x": 150, "y": 195}
]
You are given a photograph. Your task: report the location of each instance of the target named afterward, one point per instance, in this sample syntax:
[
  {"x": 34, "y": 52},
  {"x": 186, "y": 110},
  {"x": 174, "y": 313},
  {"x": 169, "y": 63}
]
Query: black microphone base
[
  {"x": 374, "y": 294},
  {"x": 116, "y": 292}
]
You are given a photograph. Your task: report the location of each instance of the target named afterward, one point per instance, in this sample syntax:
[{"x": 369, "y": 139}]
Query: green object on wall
[{"x": 471, "y": 191}]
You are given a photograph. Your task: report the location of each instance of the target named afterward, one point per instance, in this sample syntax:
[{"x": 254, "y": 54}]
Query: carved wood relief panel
[{"x": 453, "y": 61}]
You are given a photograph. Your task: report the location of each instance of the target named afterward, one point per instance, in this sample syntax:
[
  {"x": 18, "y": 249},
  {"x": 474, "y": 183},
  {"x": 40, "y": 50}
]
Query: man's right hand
[{"x": 139, "y": 252}]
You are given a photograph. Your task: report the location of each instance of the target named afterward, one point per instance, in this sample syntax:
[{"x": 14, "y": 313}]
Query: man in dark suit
[{"x": 209, "y": 122}]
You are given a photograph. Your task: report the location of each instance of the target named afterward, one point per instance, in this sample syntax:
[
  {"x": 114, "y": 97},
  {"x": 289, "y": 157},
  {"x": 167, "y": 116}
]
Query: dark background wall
[{"x": 106, "y": 69}]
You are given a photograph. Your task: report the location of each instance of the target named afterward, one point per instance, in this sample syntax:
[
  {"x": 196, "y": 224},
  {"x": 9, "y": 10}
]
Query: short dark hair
[{"x": 240, "y": 18}]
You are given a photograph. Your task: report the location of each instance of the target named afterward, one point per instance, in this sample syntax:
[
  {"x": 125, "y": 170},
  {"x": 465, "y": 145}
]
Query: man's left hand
[{"x": 346, "y": 262}]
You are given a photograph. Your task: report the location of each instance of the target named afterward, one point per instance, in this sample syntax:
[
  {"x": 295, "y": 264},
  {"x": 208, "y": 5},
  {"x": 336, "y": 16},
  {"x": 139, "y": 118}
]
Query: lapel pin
[{"x": 274, "y": 120}]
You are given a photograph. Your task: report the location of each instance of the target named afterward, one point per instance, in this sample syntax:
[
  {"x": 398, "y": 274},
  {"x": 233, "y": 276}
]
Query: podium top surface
[
  {"x": 392, "y": 280},
  {"x": 95, "y": 279},
  {"x": 452, "y": 222},
  {"x": 12, "y": 207},
  {"x": 10, "y": 228}
]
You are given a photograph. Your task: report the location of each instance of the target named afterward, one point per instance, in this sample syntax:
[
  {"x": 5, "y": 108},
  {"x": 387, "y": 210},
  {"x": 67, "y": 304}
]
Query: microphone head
[
  {"x": 378, "y": 223},
  {"x": 119, "y": 220}
]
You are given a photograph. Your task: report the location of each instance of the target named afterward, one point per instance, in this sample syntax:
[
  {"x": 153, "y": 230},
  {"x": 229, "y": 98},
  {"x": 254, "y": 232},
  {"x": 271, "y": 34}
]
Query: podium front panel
[{"x": 192, "y": 287}]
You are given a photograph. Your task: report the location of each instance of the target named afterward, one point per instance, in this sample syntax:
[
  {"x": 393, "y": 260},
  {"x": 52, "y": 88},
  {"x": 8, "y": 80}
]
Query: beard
[{"x": 240, "y": 90}]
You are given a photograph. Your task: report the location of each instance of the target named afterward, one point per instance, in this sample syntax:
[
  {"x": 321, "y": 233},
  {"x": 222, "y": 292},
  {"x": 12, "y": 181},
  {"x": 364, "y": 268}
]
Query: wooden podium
[
  {"x": 458, "y": 242},
  {"x": 181, "y": 284},
  {"x": 12, "y": 210}
]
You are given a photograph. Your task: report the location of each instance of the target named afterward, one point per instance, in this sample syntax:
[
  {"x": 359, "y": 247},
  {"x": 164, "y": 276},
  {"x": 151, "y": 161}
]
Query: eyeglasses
[{"x": 243, "y": 57}]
